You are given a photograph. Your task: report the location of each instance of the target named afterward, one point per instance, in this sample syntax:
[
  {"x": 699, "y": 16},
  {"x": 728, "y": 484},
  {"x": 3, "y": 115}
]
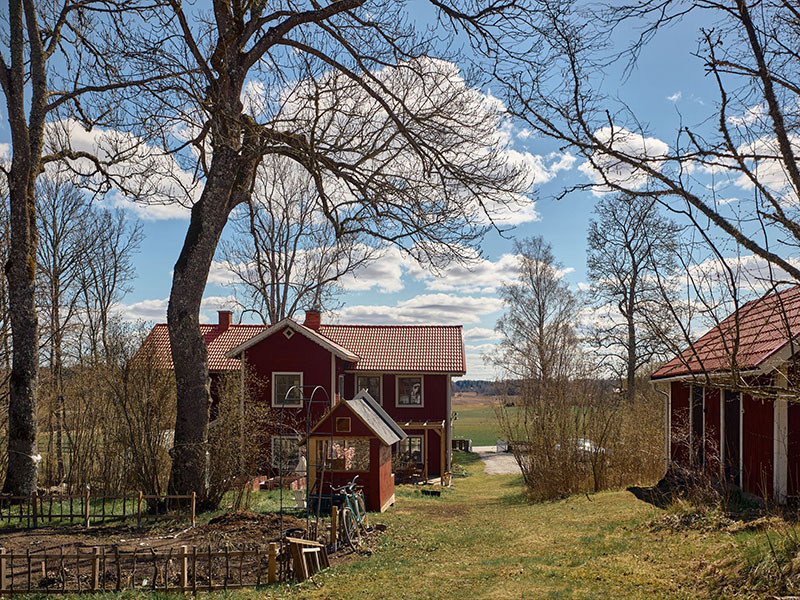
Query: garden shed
[{"x": 354, "y": 438}]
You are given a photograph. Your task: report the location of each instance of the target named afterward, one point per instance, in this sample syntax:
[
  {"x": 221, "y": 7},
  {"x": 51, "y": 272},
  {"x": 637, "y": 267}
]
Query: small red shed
[{"x": 355, "y": 438}]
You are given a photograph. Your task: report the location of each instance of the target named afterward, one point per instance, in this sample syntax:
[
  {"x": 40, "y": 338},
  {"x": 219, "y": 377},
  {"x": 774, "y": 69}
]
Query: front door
[{"x": 733, "y": 442}]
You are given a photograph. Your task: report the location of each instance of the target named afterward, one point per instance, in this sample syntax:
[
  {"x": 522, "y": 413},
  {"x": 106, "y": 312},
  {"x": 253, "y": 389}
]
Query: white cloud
[
  {"x": 750, "y": 116},
  {"x": 770, "y": 172},
  {"x": 478, "y": 334},
  {"x": 438, "y": 309},
  {"x": 156, "y": 309},
  {"x": 675, "y": 97},
  {"x": 524, "y": 133},
  {"x": 480, "y": 276},
  {"x": 384, "y": 274},
  {"x": 651, "y": 151}
]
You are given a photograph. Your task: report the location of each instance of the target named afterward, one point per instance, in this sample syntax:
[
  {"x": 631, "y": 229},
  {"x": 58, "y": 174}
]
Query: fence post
[
  {"x": 184, "y": 568},
  {"x": 35, "y": 499},
  {"x": 95, "y": 568},
  {"x": 139, "y": 511},
  {"x": 86, "y": 507},
  {"x": 272, "y": 563},
  {"x": 194, "y": 504},
  {"x": 335, "y": 526},
  {"x": 3, "y": 571}
]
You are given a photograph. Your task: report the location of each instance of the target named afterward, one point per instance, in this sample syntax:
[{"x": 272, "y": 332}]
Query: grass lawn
[
  {"x": 483, "y": 540},
  {"x": 477, "y": 423}
]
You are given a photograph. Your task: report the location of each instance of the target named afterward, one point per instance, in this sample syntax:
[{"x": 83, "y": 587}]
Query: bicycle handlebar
[{"x": 349, "y": 487}]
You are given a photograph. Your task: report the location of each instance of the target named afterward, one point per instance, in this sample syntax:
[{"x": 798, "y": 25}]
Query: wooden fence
[
  {"x": 59, "y": 509},
  {"x": 183, "y": 569}
]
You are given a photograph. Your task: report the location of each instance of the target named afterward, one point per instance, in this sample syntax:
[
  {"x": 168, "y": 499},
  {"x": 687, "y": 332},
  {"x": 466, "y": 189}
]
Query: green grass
[{"x": 477, "y": 423}]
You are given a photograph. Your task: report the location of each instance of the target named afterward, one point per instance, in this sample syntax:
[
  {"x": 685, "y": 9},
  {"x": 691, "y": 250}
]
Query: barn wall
[
  {"x": 757, "y": 446},
  {"x": 679, "y": 422},
  {"x": 712, "y": 429}
]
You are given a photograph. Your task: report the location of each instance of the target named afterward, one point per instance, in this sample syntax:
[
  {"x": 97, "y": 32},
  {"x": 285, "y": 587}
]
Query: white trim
[
  {"x": 285, "y": 405},
  {"x": 421, "y": 391},
  {"x": 377, "y": 374},
  {"x": 311, "y": 334},
  {"x": 780, "y": 442}
]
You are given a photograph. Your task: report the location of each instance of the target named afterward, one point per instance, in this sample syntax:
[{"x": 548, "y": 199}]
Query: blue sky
[{"x": 666, "y": 87}]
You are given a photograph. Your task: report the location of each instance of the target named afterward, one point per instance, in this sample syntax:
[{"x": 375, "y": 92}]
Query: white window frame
[
  {"x": 275, "y": 402},
  {"x": 380, "y": 384},
  {"x": 421, "y": 447},
  {"x": 397, "y": 379},
  {"x": 277, "y": 438}
]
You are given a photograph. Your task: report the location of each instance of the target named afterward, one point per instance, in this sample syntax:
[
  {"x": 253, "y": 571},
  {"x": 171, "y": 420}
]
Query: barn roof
[
  {"x": 371, "y": 348},
  {"x": 761, "y": 328}
]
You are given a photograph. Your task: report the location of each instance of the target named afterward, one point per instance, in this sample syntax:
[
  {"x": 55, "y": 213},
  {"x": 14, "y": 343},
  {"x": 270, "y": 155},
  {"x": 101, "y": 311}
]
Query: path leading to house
[
  {"x": 482, "y": 539},
  {"x": 497, "y": 463}
]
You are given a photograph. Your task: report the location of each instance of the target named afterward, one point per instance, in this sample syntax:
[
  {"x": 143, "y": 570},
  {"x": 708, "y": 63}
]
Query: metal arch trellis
[{"x": 308, "y": 402}]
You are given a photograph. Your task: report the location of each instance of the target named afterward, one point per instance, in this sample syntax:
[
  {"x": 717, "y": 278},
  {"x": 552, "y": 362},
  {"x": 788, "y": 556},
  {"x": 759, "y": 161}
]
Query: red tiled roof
[
  {"x": 409, "y": 348},
  {"x": 764, "y": 327},
  {"x": 420, "y": 348},
  {"x": 218, "y": 341}
]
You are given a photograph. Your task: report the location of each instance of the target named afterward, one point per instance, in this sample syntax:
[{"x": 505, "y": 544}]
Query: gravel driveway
[{"x": 497, "y": 464}]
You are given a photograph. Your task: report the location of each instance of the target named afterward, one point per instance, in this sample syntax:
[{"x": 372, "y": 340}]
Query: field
[{"x": 476, "y": 419}]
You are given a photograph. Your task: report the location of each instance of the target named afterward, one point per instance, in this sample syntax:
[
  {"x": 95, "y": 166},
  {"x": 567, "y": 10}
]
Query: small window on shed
[
  {"x": 288, "y": 332},
  {"x": 342, "y": 424}
]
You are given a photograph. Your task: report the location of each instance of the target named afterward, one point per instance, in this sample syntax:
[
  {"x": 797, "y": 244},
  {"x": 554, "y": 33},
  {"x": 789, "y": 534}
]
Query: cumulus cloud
[
  {"x": 156, "y": 309},
  {"x": 439, "y": 309},
  {"x": 674, "y": 97},
  {"x": 604, "y": 167},
  {"x": 384, "y": 274},
  {"x": 479, "y": 334},
  {"x": 769, "y": 172}
]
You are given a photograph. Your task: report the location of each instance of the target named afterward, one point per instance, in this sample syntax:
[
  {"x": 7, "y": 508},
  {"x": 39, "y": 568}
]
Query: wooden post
[
  {"x": 86, "y": 498},
  {"x": 95, "y": 582},
  {"x": 35, "y": 500},
  {"x": 184, "y": 568},
  {"x": 194, "y": 504},
  {"x": 272, "y": 563},
  {"x": 3, "y": 571},
  {"x": 139, "y": 511},
  {"x": 335, "y": 526}
]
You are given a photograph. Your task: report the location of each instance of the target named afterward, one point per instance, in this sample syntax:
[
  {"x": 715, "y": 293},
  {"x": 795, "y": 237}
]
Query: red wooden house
[
  {"x": 731, "y": 399},
  {"x": 407, "y": 369}
]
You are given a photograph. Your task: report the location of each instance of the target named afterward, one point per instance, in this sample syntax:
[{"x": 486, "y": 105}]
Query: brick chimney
[
  {"x": 225, "y": 318},
  {"x": 313, "y": 318}
]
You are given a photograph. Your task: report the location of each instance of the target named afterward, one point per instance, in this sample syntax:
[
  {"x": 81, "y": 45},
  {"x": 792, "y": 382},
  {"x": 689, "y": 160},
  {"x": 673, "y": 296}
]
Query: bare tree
[
  {"x": 627, "y": 244},
  {"x": 399, "y": 144},
  {"x": 58, "y": 58},
  {"x": 285, "y": 254}
]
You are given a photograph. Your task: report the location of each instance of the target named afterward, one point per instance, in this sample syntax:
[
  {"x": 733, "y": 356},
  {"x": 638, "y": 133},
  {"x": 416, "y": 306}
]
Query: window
[
  {"x": 344, "y": 454},
  {"x": 371, "y": 383},
  {"x": 409, "y": 450},
  {"x": 409, "y": 391},
  {"x": 285, "y": 453},
  {"x": 342, "y": 424},
  {"x": 340, "y": 389},
  {"x": 282, "y": 383}
]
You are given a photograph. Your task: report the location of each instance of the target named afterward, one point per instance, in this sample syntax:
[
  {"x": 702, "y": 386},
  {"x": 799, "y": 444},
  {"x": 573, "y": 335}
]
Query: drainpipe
[{"x": 666, "y": 422}]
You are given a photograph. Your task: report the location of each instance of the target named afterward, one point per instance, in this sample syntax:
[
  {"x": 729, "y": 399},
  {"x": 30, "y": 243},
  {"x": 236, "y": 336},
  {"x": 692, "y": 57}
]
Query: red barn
[
  {"x": 407, "y": 369},
  {"x": 731, "y": 399}
]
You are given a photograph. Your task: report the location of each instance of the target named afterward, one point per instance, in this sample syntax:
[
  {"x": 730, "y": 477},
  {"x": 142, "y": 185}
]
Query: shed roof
[
  {"x": 747, "y": 338},
  {"x": 364, "y": 406}
]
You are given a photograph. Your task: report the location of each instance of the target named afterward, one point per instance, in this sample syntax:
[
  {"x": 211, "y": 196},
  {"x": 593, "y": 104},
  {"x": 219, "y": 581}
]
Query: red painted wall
[
  {"x": 712, "y": 416},
  {"x": 757, "y": 445},
  {"x": 793, "y": 452},
  {"x": 679, "y": 422}
]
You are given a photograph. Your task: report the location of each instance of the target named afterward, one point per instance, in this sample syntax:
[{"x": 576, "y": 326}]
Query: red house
[
  {"x": 731, "y": 399},
  {"x": 407, "y": 369}
]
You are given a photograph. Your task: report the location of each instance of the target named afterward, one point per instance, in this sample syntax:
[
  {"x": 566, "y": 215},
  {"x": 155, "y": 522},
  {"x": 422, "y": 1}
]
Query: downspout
[{"x": 654, "y": 384}]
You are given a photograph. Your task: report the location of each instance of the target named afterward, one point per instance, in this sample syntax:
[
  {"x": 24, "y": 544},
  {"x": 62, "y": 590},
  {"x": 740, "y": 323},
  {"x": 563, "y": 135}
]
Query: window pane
[
  {"x": 371, "y": 383},
  {"x": 344, "y": 454},
  {"x": 409, "y": 391},
  {"x": 410, "y": 450},
  {"x": 283, "y": 383}
]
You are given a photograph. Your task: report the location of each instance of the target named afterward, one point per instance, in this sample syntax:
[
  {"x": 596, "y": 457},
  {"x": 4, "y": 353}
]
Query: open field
[
  {"x": 476, "y": 418},
  {"x": 481, "y": 539}
]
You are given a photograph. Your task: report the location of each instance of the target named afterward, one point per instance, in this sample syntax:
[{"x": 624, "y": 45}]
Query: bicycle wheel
[
  {"x": 350, "y": 530},
  {"x": 362, "y": 510}
]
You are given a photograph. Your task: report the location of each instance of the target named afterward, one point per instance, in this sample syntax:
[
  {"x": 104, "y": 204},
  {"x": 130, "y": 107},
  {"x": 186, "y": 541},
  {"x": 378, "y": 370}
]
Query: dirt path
[{"x": 495, "y": 463}]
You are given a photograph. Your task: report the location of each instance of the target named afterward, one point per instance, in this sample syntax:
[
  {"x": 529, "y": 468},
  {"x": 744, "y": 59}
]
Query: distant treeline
[{"x": 486, "y": 388}]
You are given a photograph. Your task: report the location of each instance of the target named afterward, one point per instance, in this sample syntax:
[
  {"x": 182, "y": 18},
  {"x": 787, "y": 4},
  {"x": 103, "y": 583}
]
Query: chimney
[
  {"x": 313, "y": 318},
  {"x": 225, "y": 318}
]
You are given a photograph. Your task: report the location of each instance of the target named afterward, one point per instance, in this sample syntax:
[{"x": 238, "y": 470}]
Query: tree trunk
[
  {"x": 631, "y": 363},
  {"x": 189, "y": 355}
]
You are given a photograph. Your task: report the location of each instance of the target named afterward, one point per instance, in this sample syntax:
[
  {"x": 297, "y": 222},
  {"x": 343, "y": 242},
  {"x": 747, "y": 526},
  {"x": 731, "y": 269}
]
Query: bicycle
[{"x": 353, "y": 515}]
